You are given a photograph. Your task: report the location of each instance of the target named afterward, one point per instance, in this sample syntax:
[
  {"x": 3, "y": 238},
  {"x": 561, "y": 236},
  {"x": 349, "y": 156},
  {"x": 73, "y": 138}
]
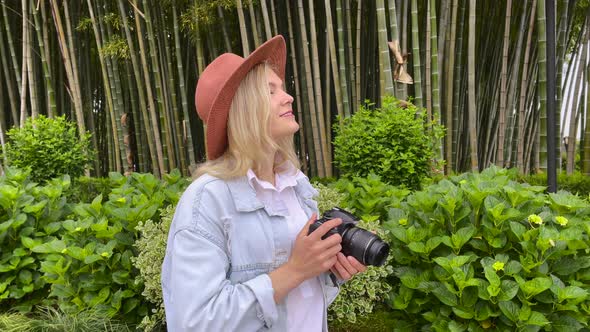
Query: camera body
[{"x": 363, "y": 245}]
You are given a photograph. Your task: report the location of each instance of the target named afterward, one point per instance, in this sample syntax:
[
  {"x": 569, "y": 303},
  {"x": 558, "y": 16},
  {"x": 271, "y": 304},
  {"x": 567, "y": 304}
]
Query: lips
[{"x": 287, "y": 114}]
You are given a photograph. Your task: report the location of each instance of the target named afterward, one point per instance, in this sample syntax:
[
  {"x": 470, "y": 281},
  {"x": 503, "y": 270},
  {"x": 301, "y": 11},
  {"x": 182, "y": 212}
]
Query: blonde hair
[{"x": 248, "y": 132}]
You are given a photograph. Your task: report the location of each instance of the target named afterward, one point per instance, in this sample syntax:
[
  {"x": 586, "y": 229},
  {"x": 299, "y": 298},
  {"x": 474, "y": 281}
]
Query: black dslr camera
[{"x": 363, "y": 245}]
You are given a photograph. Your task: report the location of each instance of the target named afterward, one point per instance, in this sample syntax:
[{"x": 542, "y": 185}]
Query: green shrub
[
  {"x": 369, "y": 197},
  {"x": 86, "y": 188},
  {"x": 392, "y": 142},
  {"x": 481, "y": 251},
  {"x": 151, "y": 247},
  {"x": 576, "y": 183},
  {"x": 50, "y": 147},
  {"x": 90, "y": 266},
  {"x": 29, "y": 214},
  {"x": 359, "y": 295}
]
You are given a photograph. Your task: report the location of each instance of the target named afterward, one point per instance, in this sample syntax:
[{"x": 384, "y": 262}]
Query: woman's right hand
[{"x": 311, "y": 255}]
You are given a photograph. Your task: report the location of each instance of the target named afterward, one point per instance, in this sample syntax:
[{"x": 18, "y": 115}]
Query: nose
[{"x": 288, "y": 98}]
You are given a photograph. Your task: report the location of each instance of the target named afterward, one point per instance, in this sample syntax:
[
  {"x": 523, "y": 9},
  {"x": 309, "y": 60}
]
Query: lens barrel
[{"x": 365, "y": 246}]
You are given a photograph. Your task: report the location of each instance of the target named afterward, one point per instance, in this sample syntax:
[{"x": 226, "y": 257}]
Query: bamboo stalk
[
  {"x": 417, "y": 75},
  {"x": 472, "y": 111},
  {"x": 140, "y": 84},
  {"x": 150, "y": 97},
  {"x": 266, "y": 19},
  {"x": 503, "y": 84},
  {"x": 318, "y": 92},
  {"x": 253, "y": 21},
  {"x": 385, "y": 73},
  {"x": 317, "y": 143},
  {"x": 188, "y": 140},
  {"x": 50, "y": 94},
  {"x": 449, "y": 84},
  {"x": 167, "y": 149},
  {"x": 334, "y": 63},
  {"x": 26, "y": 55},
  {"x": 299, "y": 105},
  {"x": 342, "y": 59},
  {"x": 542, "y": 82},
  {"x": 243, "y": 33}
]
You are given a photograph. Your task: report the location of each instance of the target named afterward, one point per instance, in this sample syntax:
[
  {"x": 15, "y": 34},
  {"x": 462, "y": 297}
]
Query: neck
[{"x": 266, "y": 169}]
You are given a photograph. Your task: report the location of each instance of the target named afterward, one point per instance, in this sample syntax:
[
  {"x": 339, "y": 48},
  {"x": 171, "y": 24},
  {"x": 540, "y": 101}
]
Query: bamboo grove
[{"x": 126, "y": 71}]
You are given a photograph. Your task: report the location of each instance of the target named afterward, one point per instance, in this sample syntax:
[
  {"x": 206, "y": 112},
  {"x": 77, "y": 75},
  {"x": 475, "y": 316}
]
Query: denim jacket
[{"x": 222, "y": 244}]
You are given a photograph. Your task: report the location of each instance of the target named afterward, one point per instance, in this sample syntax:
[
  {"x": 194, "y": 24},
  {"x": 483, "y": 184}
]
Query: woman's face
[{"x": 282, "y": 119}]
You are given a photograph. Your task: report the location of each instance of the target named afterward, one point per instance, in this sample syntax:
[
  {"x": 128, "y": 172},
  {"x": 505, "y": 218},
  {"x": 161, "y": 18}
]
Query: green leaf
[
  {"x": 102, "y": 296},
  {"x": 508, "y": 291},
  {"x": 130, "y": 304},
  {"x": 537, "y": 319},
  {"x": 492, "y": 276},
  {"x": 482, "y": 311},
  {"x": 91, "y": 259},
  {"x": 456, "y": 327},
  {"x": 525, "y": 313},
  {"x": 416, "y": 234},
  {"x": 77, "y": 253},
  {"x": 121, "y": 277},
  {"x": 464, "y": 312},
  {"x": 512, "y": 268},
  {"x": 572, "y": 293},
  {"x": 5, "y": 225},
  {"x": 62, "y": 291},
  {"x": 536, "y": 286},
  {"x": 25, "y": 277},
  {"x": 30, "y": 243},
  {"x": 444, "y": 294},
  {"x": 566, "y": 266},
  {"x": 510, "y": 310},
  {"x": 565, "y": 323},
  {"x": 517, "y": 229},
  {"x": 55, "y": 246},
  {"x": 432, "y": 243},
  {"x": 96, "y": 204},
  {"x": 52, "y": 227},
  {"x": 20, "y": 219},
  {"x": 35, "y": 209},
  {"x": 417, "y": 247}
]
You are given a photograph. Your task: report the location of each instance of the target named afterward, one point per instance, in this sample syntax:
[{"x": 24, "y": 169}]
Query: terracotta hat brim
[{"x": 272, "y": 51}]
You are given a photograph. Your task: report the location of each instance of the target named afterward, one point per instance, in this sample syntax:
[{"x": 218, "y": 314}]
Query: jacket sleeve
[{"x": 198, "y": 296}]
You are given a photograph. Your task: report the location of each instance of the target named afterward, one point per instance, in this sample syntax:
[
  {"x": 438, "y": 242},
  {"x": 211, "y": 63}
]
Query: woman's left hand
[{"x": 346, "y": 267}]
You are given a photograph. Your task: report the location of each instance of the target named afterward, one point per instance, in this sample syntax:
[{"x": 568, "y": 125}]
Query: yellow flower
[
  {"x": 561, "y": 220},
  {"x": 535, "y": 219},
  {"x": 105, "y": 254},
  {"x": 498, "y": 266},
  {"x": 403, "y": 221}
]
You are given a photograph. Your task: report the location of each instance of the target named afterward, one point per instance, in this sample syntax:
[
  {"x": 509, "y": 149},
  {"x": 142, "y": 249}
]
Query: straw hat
[{"x": 218, "y": 83}]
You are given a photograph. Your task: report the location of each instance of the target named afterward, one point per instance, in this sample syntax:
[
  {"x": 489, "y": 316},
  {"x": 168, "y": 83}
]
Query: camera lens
[{"x": 365, "y": 246}]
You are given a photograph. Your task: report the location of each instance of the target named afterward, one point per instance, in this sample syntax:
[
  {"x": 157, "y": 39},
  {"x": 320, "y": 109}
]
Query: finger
[
  {"x": 330, "y": 252},
  {"x": 331, "y": 241},
  {"x": 356, "y": 264},
  {"x": 347, "y": 264},
  {"x": 335, "y": 271},
  {"x": 305, "y": 229},
  {"x": 345, "y": 275},
  {"x": 325, "y": 227},
  {"x": 328, "y": 264}
]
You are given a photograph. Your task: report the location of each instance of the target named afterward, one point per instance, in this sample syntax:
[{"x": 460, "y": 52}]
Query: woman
[{"x": 239, "y": 257}]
